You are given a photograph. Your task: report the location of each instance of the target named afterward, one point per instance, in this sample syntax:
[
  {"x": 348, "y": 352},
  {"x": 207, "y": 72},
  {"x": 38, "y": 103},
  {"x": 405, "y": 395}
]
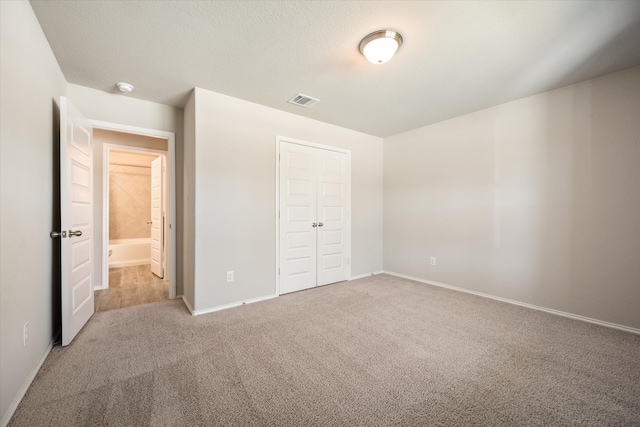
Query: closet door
[
  {"x": 298, "y": 225},
  {"x": 333, "y": 197},
  {"x": 314, "y": 236}
]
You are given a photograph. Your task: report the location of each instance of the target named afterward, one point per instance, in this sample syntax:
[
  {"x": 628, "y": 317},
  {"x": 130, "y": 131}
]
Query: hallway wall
[{"x": 31, "y": 84}]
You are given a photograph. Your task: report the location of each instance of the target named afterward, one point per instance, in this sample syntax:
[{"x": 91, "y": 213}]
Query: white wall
[
  {"x": 235, "y": 175},
  {"x": 189, "y": 180},
  {"x": 31, "y": 84},
  {"x": 537, "y": 200},
  {"x": 120, "y": 109}
]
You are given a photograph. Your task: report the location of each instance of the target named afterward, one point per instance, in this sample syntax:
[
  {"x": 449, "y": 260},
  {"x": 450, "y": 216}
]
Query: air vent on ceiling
[{"x": 303, "y": 100}]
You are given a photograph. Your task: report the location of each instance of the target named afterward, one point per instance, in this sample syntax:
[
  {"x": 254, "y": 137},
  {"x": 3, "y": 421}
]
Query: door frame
[
  {"x": 170, "y": 225},
  {"x": 279, "y": 140}
]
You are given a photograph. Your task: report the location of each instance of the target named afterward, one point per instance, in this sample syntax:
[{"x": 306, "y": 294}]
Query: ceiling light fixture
[
  {"x": 125, "y": 87},
  {"x": 380, "y": 46}
]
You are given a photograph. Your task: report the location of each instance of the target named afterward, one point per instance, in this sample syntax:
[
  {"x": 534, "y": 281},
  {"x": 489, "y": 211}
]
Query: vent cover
[{"x": 303, "y": 100}]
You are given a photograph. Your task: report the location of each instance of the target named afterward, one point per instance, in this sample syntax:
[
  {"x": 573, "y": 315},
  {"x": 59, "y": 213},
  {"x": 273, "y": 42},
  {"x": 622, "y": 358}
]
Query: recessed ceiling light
[
  {"x": 125, "y": 87},
  {"x": 380, "y": 46}
]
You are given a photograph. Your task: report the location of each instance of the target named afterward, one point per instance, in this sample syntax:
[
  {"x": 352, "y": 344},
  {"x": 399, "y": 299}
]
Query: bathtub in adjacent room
[{"x": 125, "y": 252}]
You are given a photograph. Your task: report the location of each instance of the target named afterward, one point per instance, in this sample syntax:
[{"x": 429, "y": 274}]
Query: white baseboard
[
  {"x": 362, "y": 276},
  {"x": 129, "y": 263},
  {"x": 522, "y": 304},
  {"x": 226, "y": 306},
  {"x": 23, "y": 390}
]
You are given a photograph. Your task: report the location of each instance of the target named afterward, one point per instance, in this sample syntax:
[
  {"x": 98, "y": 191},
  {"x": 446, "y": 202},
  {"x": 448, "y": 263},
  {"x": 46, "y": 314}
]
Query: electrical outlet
[
  {"x": 229, "y": 276},
  {"x": 25, "y": 333},
  {"x": 432, "y": 260}
]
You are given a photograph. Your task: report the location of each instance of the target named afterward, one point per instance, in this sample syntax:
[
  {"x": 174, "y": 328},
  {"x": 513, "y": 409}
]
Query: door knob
[
  {"x": 75, "y": 233},
  {"x": 315, "y": 224},
  {"x": 55, "y": 234},
  {"x": 320, "y": 224}
]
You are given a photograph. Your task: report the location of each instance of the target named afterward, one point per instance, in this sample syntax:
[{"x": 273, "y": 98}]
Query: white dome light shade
[
  {"x": 125, "y": 87},
  {"x": 380, "y": 46}
]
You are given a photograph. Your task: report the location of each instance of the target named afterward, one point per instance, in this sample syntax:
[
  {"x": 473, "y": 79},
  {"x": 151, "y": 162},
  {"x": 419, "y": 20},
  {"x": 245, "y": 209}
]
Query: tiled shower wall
[{"x": 129, "y": 202}]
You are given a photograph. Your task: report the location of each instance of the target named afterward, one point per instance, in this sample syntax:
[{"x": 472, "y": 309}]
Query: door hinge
[
  {"x": 278, "y": 272},
  {"x": 347, "y": 260}
]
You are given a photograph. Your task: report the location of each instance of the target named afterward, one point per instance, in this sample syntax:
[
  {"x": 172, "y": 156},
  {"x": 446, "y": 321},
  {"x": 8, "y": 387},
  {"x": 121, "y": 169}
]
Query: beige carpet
[{"x": 372, "y": 352}]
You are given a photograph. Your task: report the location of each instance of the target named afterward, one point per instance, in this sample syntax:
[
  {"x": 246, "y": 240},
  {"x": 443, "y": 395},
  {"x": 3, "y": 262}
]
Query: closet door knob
[
  {"x": 315, "y": 224},
  {"x": 320, "y": 224}
]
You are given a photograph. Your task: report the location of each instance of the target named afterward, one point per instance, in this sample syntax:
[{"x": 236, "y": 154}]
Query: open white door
[
  {"x": 157, "y": 217},
  {"x": 76, "y": 195}
]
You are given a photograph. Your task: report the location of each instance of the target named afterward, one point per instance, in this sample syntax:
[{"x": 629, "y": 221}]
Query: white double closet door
[{"x": 314, "y": 233}]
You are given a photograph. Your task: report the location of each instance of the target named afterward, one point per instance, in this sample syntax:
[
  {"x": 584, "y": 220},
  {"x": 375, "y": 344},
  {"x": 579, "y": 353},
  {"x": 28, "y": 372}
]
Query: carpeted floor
[{"x": 372, "y": 352}]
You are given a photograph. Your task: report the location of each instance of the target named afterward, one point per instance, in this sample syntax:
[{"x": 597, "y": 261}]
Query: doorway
[
  {"x": 135, "y": 213},
  {"x": 136, "y": 207}
]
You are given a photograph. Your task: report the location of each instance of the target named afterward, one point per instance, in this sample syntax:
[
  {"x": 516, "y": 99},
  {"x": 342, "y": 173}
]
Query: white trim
[
  {"x": 362, "y": 276},
  {"x": 226, "y": 306},
  {"x": 309, "y": 144},
  {"x": 522, "y": 304},
  {"x": 105, "y": 219},
  {"x": 170, "y": 226},
  {"x": 277, "y": 236},
  {"x": 279, "y": 139},
  {"x": 127, "y": 264},
  {"x": 23, "y": 390}
]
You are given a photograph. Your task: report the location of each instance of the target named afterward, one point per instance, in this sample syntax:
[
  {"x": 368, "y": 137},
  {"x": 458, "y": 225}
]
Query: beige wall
[
  {"x": 537, "y": 200},
  {"x": 235, "y": 175},
  {"x": 105, "y": 136},
  {"x": 115, "y": 108},
  {"x": 129, "y": 202},
  {"x": 31, "y": 84},
  {"x": 131, "y": 158},
  {"x": 129, "y": 195}
]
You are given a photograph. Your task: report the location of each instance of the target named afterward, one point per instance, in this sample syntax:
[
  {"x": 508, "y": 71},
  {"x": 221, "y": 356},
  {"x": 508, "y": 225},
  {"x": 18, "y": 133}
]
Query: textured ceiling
[{"x": 457, "y": 57}]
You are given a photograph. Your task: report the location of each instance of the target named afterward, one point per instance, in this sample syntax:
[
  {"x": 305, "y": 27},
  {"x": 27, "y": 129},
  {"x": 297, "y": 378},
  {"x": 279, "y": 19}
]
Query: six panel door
[
  {"x": 76, "y": 210},
  {"x": 333, "y": 194},
  {"x": 313, "y": 236}
]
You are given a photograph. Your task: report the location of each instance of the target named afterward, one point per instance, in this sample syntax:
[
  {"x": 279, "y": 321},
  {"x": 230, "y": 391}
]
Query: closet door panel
[
  {"x": 333, "y": 197},
  {"x": 298, "y": 210}
]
